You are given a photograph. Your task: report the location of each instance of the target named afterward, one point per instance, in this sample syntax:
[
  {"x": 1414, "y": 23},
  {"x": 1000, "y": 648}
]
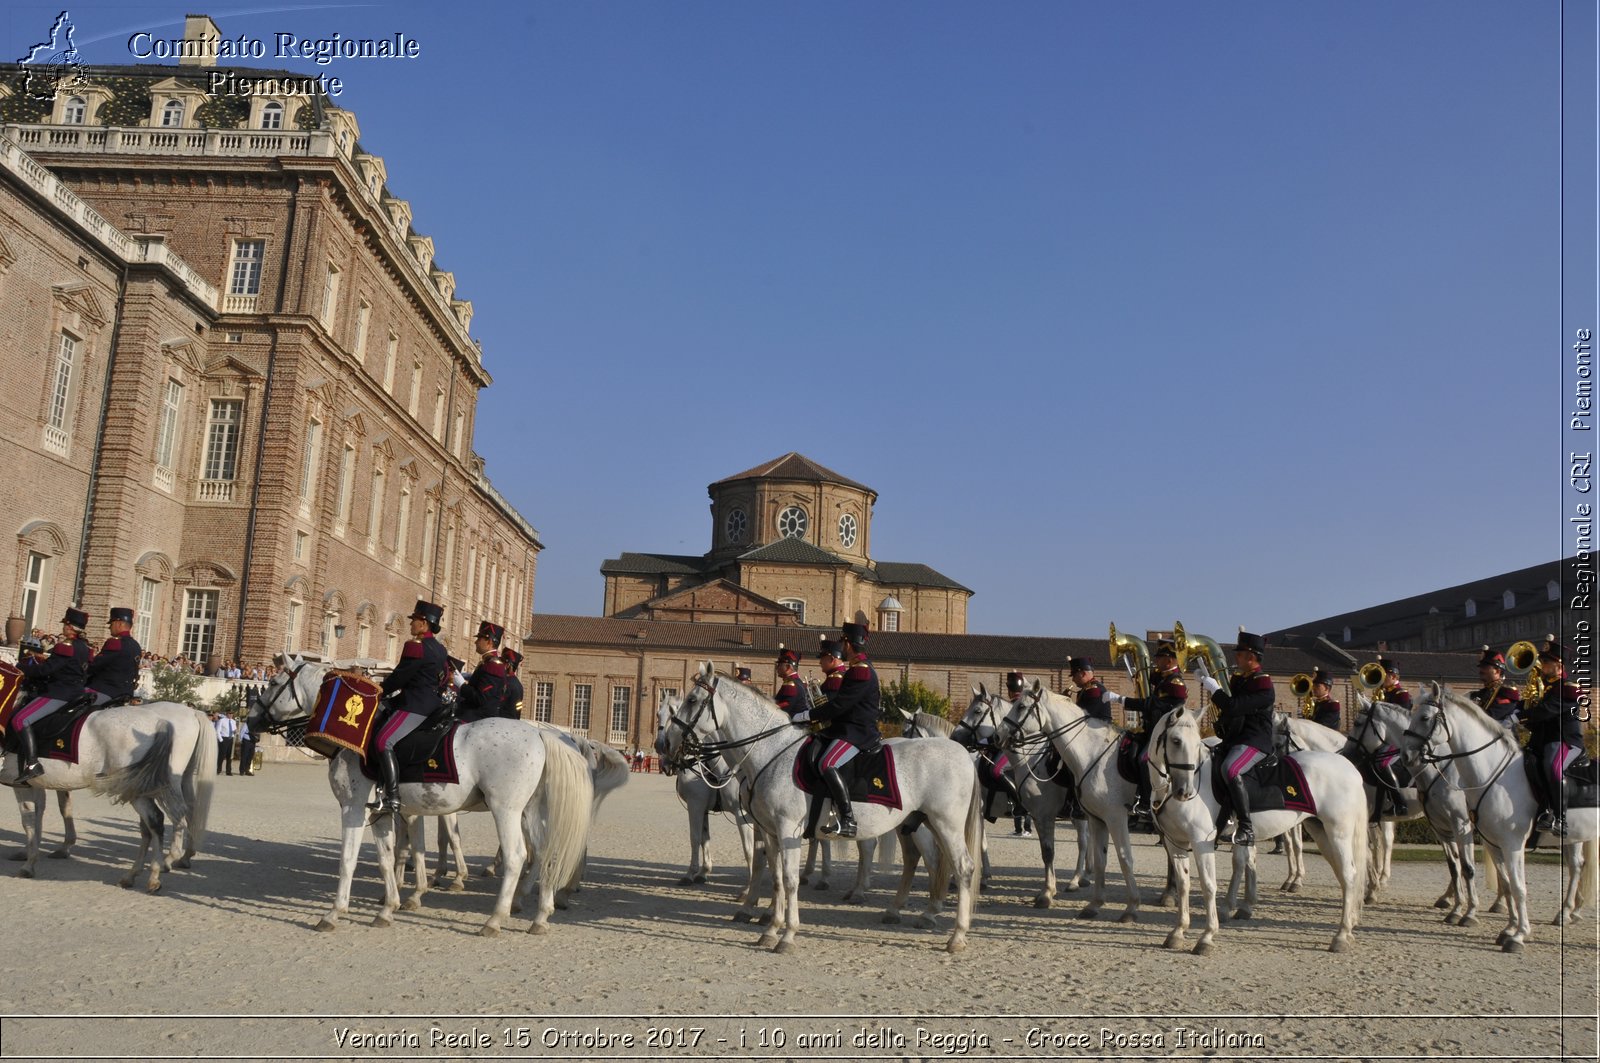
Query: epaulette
[
  {"x": 66, "y": 648},
  {"x": 1510, "y": 693},
  {"x": 1176, "y": 686},
  {"x": 860, "y": 670},
  {"x": 1260, "y": 681},
  {"x": 494, "y": 666},
  {"x": 111, "y": 644},
  {"x": 413, "y": 648}
]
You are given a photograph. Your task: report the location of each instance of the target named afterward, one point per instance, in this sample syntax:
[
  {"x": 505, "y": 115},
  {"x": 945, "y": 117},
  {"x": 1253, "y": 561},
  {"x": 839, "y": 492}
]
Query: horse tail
[
  {"x": 610, "y": 772},
  {"x": 147, "y": 776},
  {"x": 565, "y": 802},
  {"x": 201, "y": 773},
  {"x": 1589, "y": 877}
]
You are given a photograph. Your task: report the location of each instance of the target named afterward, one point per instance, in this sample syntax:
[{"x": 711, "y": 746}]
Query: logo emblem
[
  {"x": 353, "y": 708},
  {"x": 1290, "y": 790},
  {"x": 53, "y": 63}
]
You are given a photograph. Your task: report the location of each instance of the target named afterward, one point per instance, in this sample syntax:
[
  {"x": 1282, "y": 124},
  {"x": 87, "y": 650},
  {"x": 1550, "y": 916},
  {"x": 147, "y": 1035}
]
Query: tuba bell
[
  {"x": 1522, "y": 665},
  {"x": 1125, "y": 645},
  {"x": 1191, "y": 645},
  {"x": 1369, "y": 679},
  {"x": 1300, "y": 687}
]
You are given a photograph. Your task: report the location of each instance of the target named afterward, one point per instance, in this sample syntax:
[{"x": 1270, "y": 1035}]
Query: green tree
[
  {"x": 903, "y": 699},
  {"x": 229, "y": 702},
  {"x": 174, "y": 684}
]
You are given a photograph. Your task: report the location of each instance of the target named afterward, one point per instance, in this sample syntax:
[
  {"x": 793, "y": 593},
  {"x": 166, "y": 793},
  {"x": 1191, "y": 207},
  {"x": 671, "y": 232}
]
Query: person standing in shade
[
  {"x": 226, "y": 726},
  {"x": 247, "y": 748}
]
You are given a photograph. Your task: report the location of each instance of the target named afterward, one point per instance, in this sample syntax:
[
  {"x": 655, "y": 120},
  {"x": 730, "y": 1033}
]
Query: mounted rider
[
  {"x": 984, "y": 740},
  {"x": 1092, "y": 697},
  {"x": 114, "y": 673},
  {"x": 1392, "y": 693},
  {"x": 59, "y": 677},
  {"x": 1555, "y": 733},
  {"x": 481, "y": 697},
  {"x": 1244, "y": 724},
  {"x": 792, "y": 695},
  {"x": 1325, "y": 708},
  {"x": 851, "y": 703},
  {"x": 1496, "y": 697},
  {"x": 511, "y": 701},
  {"x": 413, "y": 692},
  {"x": 1167, "y": 692}
]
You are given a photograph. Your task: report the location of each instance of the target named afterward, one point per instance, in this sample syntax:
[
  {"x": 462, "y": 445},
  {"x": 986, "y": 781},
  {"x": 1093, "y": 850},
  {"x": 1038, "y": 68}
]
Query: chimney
[{"x": 200, "y": 36}]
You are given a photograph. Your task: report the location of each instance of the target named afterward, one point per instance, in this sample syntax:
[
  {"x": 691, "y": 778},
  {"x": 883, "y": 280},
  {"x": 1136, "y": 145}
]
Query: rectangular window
[
  {"x": 429, "y": 523},
  {"x": 244, "y": 274},
  {"x": 891, "y": 622},
  {"x": 449, "y": 559},
  {"x": 375, "y": 510},
  {"x": 330, "y": 295},
  {"x": 416, "y": 388},
  {"x": 363, "y": 317},
  {"x": 544, "y": 697},
  {"x": 167, "y": 427},
  {"x": 364, "y": 640},
  {"x": 402, "y": 534},
  {"x": 300, "y": 538},
  {"x": 621, "y": 698},
  {"x": 66, "y": 354},
  {"x": 347, "y": 474},
  {"x": 33, "y": 584},
  {"x": 222, "y": 440},
  {"x": 308, "y": 460},
  {"x": 582, "y": 699},
  {"x": 291, "y": 637},
  {"x": 199, "y": 624},
  {"x": 455, "y": 437},
  {"x": 391, "y": 355},
  {"x": 144, "y": 617},
  {"x": 438, "y": 413}
]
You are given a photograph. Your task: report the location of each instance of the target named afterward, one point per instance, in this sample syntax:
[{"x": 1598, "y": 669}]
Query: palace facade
[{"x": 242, "y": 390}]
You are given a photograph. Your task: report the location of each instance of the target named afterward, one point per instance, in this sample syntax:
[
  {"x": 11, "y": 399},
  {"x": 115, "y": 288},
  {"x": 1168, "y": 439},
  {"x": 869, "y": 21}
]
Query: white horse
[
  {"x": 1377, "y": 726},
  {"x": 935, "y": 778},
  {"x": 1042, "y": 798},
  {"x": 1088, "y": 747},
  {"x": 1181, "y": 766},
  {"x": 33, "y": 820},
  {"x": 503, "y": 766},
  {"x": 120, "y": 740},
  {"x": 1480, "y": 756}
]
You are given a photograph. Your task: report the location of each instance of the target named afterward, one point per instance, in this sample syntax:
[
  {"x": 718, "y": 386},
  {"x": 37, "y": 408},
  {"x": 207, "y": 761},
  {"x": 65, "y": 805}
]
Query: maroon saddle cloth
[
  {"x": 1274, "y": 785},
  {"x": 424, "y": 755},
  {"x": 873, "y": 780}
]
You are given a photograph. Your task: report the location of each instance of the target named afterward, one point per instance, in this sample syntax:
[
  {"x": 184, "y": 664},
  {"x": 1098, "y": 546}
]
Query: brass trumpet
[
  {"x": 1369, "y": 679},
  {"x": 1190, "y": 645},
  {"x": 1123, "y": 644},
  {"x": 1300, "y": 687},
  {"x": 1522, "y": 664}
]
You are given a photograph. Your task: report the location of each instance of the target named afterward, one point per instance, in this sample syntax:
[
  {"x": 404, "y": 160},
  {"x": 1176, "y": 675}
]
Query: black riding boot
[
  {"x": 1244, "y": 832},
  {"x": 813, "y": 814},
  {"x": 28, "y": 766},
  {"x": 389, "y": 800},
  {"x": 841, "y": 800},
  {"x": 1386, "y": 777}
]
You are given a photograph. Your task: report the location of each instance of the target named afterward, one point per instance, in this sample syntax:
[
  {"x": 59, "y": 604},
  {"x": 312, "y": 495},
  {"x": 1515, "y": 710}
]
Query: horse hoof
[
  {"x": 924, "y": 922},
  {"x": 126, "y": 881},
  {"x": 1041, "y": 902},
  {"x": 956, "y": 945},
  {"x": 1468, "y": 920},
  {"x": 1089, "y": 913},
  {"x": 1502, "y": 937},
  {"x": 1203, "y": 948},
  {"x": 743, "y": 917},
  {"x": 62, "y": 854},
  {"x": 699, "y": 878},
  {"x": 767, "y": 941},
  {"x": 1441, "y": 903},
  {"x": 1559, "y": 920},
  {"x": 382, "y": 922},
  {"x": 456, "y": 886},
  {"x": 820, "y": 885},
  {"x": 804, "y": 879},
  {"x": 326, "y": 925},
  {"x": 516, "y": 907},
  {"x": 1295, "y": 888},
  {"x": 153, "y": 888},
  {"x": 1128, "y": 917},
  {"x": 783, "y": 948},
  {"x": 1174, "y": 940},
  {"x": 1511, "y": 945},
  {"x": 1451, "y": 920},
  {"x": 1166, "y": 900},
  {"x": 410, "y": 904},
  {"x": 1242, "y": 914},
  {"x": 983, "y": 887},
  {"x": 687, "y": 880},
  {"x": 892, "y": 918},
  {"x": 539, "y": 928},
  {"x": 766, "y": 919},
  {"x": 489, "y": 931}
]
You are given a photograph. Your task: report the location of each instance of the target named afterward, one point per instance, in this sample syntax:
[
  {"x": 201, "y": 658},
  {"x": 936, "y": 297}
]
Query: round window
[
  {"x": 847, "y": 530},
  {"x": 736, "y": 525},
  {"x": 792, "y": 523}
]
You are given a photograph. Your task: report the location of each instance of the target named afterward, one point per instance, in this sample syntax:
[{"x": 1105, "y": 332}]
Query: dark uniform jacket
[
  {"x": 853, "y": 705},
  {"x": 1168, "y": 692},
  {"x": 1245, "y": 711},
  {"x": 1398, "y": 696},
  {"x": 60, "y": 676},
  {"x": 115, "y": 670},
  {"x": 484, "y": 691},
  {"x": 792, "y": 696},
  {"x": 1329, "y": 713},
  {"x": 512, "y": 700},
  {"x": 415, "y": 680},
  {"x": 1092, "y": 700},
  {"x": 1501, "y": 703},
  {"x": 1554, "y": 717}
]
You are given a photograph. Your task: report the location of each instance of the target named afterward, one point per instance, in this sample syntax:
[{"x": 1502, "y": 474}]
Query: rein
[
  {"x": 1426, "y": 755},
  {"x": 269, "y": 724}
]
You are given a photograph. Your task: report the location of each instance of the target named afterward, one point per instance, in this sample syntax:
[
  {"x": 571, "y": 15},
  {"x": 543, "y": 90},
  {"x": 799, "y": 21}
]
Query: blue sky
[{"x": 1233, "y": 313}]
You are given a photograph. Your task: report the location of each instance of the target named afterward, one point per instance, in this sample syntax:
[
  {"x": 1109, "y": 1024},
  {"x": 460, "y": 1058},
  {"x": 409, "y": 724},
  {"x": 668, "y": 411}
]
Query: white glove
[
  {"x": 458, "y": 680},
  {"x": 1209, "y": 685},
  {"x": 1114, "y": 698},
  {"x": 800, "y": 717}
]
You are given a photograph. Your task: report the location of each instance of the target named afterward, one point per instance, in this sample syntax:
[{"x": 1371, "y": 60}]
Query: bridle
[
  {"x": 270, "y": 725},
  {"x": 1165, "y": 767},
  {"x": 1426, "y": 741},
  {"x": 694, "y": 751}
]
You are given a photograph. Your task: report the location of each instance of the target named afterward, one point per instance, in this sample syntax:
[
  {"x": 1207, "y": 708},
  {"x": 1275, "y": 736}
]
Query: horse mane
[
  {"x": 932, "y": 724},
  {"x": 1471, "y": 708}
]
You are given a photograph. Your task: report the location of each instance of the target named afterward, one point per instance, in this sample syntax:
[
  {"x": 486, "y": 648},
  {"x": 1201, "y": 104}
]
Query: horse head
[
  {"x": 288, "y": 696},
  {"x": 1025, "y": 724},
  {"x": 664, "y": 712},
  {"x": 1176, "y": 752},
  {"x": 687, "y": 725},
  {"x": 1427, "y": 725},
  {"x": 981, "y": 722}
]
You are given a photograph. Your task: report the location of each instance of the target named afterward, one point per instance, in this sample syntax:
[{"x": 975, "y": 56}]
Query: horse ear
[
  {"x": 982, "y": 691},
  {"x": 1037, "y": 685},
  {"x": 976, "y": 692},
  {"x": 1433, "y": 684},
  {"x": 705, "y": 669}
]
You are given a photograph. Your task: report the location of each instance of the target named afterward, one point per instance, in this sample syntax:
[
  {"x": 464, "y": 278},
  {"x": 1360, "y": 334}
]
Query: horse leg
[
  {"x": 789, "y": 861},
  {"x": 1514, "y": 871},
  {"x": 69, "y": 825},
  {"x": 957, "y": 846},
  {"x": 1097, "y": 869},
  {"x": 144, "y": 811},
  {"x": 30, "y": 804},
  {"x": 1572, "y": 857},
  {"x": 1340, "y": 849},
  {"x": 811, "y": 860},
  {"x": 866, "y": 851},
  {"x": 1291, "y": 852},
  {"x": 826, "y": 849},
  {"x": 1080, "y": 866},
  {"x": 909, "y": 856},
  {"x": 452, "y": 827},
  {"x": 417, "y": 831},
  {"x": 702, "y": 857},
  {"x": 384, "y": 831},
  {"x": 1124, "y": 843},
  {"x": 1178, "y": 865},
  {"x": 512, "y": 825},
  {"x": 754, "y": 860},
  {"x": 1241, "y": 860},
  {"x": 1205, "y": 853},
  {"x": 1046, "y": 828}
]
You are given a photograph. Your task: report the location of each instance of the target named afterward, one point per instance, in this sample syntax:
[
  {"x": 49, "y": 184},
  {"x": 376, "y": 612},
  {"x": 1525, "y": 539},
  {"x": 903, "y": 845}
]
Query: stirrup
[
  {"x": 843, "y": 828},
  {"x": 1243, "y": 834},
  {"x": 28, "y": 771}
]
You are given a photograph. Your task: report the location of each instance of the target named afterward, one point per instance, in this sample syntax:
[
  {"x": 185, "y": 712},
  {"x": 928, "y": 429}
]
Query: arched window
[
  {"x": 272, "y": 116},
  {"x": 172, "y": 114},
  {"x": 75, "y": 111},
  {"x": 1508, "y": 600},
  {"x": 795, "y": 605},
  {"x": 1472, "y": 608}
]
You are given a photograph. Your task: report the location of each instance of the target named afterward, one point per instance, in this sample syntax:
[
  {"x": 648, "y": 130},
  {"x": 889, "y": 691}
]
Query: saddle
[
  {"x": 425, "y": 755},
  {"x": 1580, "y": 782},
  {"x": 1056, "y": 771},
  {"x": 1364, "y": 760},
  {"x": 1129, "y": 748},
  {"x": 56, "y": 736},
  {"x": 870, "y": 777},
  {"x": 1275, "y": 784}
]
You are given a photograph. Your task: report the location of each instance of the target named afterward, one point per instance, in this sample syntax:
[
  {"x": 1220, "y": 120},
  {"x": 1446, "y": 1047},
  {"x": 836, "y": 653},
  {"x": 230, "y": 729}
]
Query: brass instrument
[
  {"x": 1369, "y": 680},
  {"x": 1123, "y": 644},
  {"x": 1190, "y": 645},
  {"x": 1300, "y": 687},
  {"x": 1522, "y": 664}
]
